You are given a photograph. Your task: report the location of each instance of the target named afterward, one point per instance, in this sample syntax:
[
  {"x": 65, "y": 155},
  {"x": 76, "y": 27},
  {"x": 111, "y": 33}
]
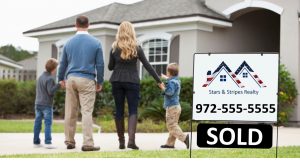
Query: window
[
  {"x": 222, "y": 78},
  {"x": 245, "y": 75},
  {"x": 156, "y": 51}
]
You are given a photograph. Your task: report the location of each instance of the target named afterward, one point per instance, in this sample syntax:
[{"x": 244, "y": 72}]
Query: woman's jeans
[
  {"x": 41, "y": 112},
  {"x": 130, "y": 91}
]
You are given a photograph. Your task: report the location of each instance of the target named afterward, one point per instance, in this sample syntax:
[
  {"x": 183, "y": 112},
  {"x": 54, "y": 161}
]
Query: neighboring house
[
  {"x": 173, "y": 30},
  {"x": 29, "y": 69},
  {"x": 9, "y": 68}
]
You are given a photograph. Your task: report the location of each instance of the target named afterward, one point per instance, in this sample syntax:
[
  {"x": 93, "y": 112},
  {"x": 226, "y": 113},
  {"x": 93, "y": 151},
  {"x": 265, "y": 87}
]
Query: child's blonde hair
[{"x": 173, "y": 69}]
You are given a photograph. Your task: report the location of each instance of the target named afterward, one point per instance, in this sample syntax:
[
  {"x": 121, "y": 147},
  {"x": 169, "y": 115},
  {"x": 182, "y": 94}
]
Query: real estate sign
[{"x": 235, "y": 87}]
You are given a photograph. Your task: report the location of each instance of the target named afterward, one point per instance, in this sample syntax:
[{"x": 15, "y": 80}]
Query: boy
[
  {"x": 173, "y": 109},
  {"x": 45, "y": 89}
]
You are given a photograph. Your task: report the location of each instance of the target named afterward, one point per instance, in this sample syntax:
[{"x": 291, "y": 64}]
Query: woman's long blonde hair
[{"x": 126, "y": 41}]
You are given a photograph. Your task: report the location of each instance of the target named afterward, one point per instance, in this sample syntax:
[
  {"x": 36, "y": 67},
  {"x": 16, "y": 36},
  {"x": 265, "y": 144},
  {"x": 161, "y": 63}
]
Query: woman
[{"x": 125, "y": 80}]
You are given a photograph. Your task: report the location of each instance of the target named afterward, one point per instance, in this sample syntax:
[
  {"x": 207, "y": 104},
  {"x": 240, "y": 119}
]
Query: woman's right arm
[
  {"x": 111, "y": 64},
  {"x": 147, "y": 65}
]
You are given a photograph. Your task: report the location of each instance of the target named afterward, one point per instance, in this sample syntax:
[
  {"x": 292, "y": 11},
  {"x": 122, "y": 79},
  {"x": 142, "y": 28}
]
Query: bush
[
  {"x": 18, "y": 98},
  {"x": 7, "y": 97},
  {"x": 25, "y": 98},
  {"x": 156, "y": 112},
  {"x": 287, "y": 95}
]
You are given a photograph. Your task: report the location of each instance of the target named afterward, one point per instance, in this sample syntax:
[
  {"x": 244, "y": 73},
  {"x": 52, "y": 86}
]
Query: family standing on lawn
[{"x": 81, "y": 73}]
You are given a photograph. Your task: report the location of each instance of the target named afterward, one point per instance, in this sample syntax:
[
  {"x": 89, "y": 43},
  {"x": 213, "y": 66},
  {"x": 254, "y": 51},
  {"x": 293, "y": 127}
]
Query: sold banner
[{"x": 235, "y": 87}]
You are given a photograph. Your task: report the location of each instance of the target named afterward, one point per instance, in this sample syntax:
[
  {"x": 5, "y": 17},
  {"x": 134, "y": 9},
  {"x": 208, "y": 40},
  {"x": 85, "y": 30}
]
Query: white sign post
[{"x": 235, "y": 87}]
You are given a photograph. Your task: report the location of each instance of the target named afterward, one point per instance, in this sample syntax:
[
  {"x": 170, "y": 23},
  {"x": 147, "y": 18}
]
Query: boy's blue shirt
[
  {"x": 82, "y": 57},
  {"x": 172, "y": 92}
]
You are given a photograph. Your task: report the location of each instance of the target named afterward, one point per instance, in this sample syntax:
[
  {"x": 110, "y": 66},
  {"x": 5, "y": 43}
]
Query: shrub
[
  {"x": 156, "y": 112},
  {"x": 25, "y": 98},
  {"x": 18, "y": 98},
  {"x": 287, "y": 95},
  {"x": 7, "y": 97},
  {"x": 149, "y": 91}
]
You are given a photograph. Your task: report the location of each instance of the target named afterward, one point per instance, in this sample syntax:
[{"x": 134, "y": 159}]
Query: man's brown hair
[
  {"x": 82, "y": 22},
  {"x": 173, "y": 69},
  {"x": 51, "y": 65}
]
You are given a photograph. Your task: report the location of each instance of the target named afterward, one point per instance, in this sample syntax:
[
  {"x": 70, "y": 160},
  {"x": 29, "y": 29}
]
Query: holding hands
[
  {"x": 162, "y": 86},
  {"x": 62, "y": 84},
  {"x": 98, "y": 88}
]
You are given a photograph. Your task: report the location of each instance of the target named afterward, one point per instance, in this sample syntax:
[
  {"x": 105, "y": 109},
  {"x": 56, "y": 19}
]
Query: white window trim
[
  {"x": 253, "y": 3},
  {"x": 150, "y": 36}
]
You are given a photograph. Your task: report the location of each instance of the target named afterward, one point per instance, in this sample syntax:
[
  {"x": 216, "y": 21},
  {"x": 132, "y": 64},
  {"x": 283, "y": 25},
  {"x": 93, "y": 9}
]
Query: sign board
[
  {"x": 234, "y": 136},
  {"x": 235, "y": 87}
]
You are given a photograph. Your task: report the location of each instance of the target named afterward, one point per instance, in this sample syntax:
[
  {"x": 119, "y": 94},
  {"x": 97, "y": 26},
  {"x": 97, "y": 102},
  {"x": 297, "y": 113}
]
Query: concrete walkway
[{"x": 21, "y": 143}]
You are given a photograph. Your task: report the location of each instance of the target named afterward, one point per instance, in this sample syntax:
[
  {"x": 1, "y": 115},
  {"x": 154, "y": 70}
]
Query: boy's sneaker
[
  {"x": 167, "y": 146},
  {"x": 37, "y": 145},
  {"x": 70, "y": 146},
  {"x": 187, "y": 141},
  {"x": 49, "y": 146}
]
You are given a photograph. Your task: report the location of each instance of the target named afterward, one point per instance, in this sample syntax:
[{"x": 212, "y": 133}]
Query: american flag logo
[{"x": 242, "y": 68}]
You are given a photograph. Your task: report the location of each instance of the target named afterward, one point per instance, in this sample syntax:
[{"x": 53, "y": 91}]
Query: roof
[
  {"x": 29, "y": 63},
  {"x": 222, "y": 66},
  {"x": 9, "y": 62},
  {"x": 254, "y": 76},
  {"x": 143, "y": 11}
]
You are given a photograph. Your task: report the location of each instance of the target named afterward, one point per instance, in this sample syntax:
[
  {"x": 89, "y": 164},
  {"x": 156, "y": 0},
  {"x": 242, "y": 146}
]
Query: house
[
  {"x": 9, "y": 68},
  {"x": 173, "y": 30},
  {"x": 29, "y": 69}
]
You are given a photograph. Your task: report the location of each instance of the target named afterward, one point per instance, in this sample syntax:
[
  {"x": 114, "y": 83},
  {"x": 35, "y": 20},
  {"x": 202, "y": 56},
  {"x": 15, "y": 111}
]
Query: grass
[
  {"x": 284, "y": 152},
  {"x": 26, "y": 126},
  {"x": 107, "y": 126}
]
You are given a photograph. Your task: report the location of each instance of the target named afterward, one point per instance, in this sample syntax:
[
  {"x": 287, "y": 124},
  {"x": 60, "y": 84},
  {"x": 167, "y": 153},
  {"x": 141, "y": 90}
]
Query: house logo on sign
[{"x": 244, "y": 71}]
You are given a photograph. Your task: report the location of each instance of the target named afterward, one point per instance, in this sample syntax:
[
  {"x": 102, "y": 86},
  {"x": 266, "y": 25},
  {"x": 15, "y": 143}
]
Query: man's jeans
[{"x": 41, "y": 112}]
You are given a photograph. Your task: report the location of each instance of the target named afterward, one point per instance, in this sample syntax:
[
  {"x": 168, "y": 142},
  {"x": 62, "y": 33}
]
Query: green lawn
[
  {"x": 284, "y": 152},
  {"x": 107, "y": 126},
  {"x": 26, "y": 126}
]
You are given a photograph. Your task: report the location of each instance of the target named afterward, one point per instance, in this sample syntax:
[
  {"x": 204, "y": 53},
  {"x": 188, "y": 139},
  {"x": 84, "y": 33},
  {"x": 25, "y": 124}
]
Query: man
[{"x": 81, "y": 63}]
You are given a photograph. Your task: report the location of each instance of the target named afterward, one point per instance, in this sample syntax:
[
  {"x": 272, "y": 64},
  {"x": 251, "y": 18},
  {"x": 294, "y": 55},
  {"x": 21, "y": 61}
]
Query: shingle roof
[
  {"x": 3, "y": 58},
  {"x": 7, "y": 59},
  {"x": 143, "y": 11}
]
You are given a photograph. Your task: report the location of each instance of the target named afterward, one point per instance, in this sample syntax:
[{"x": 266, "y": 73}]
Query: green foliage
[
  {"x": 149, "y": 91},
  {"x": 104, "y": 99},
  {"x": 7, "y": 97},
  {"x": 156, "y": 112},
  {"x": 15, "y": 54},
  {"x": 18, "y": 98},
  {"x": 25, "y": 98},
  {"x": 287, "y": 94}
]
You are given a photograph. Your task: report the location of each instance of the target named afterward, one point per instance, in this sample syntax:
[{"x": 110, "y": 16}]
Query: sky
[{"x": 18, "y": 16}]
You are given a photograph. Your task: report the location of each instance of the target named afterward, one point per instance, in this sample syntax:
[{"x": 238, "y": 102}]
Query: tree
[{"x": 16, "y": 54}]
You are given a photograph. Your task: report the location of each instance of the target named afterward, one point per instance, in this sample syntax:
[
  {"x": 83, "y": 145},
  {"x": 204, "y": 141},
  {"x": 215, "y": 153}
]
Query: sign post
[{"x": 235, "y": 88}]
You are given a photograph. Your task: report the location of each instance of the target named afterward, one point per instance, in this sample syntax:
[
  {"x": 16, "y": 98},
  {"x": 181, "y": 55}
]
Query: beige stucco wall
[{"x": 289, "y": 44}]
